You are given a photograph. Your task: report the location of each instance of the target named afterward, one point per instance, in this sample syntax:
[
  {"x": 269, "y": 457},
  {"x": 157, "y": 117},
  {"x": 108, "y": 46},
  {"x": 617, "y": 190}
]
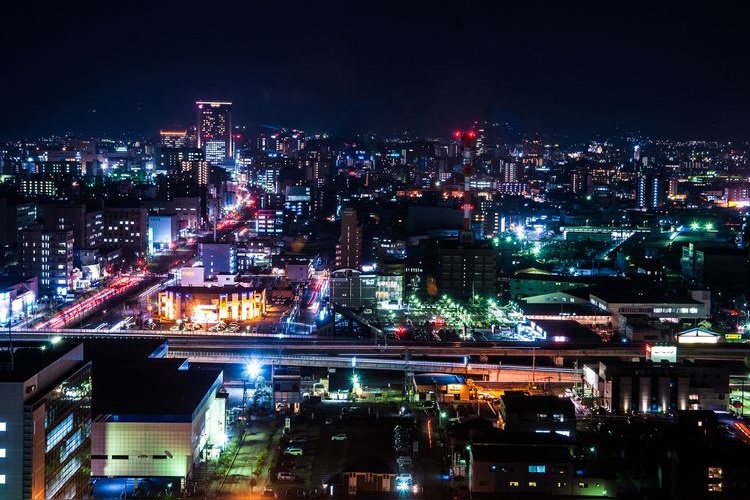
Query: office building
[
  {"x": 126, "y": 228},
  {"x": 87, "y": 225},
  {"x": 40, "y": 185},
  {"x": 351, "y": 288},
  {"x": 154, "y": 423},
  {"x": 195, "y": 171},
  {"x": 218, "y": 258},
  {"x": 188, "y": 210},
  {"x": 349, "y": 247},
  {"x": 15, "y": 216},
  {"x": 163, "y": 231},
  {"x": 624, "y": 387},
  {"x": 535, "y": 467},
  {"x": 48, "y": 254},
  {"x": 214, "y": 125},
  {"x": 268, "y": 178},
  {"x": 45, "y": 423},
  {"x": 173, "y": 139},
  {"x": 298, "y": 201},
  {"x": 466, "y": 270},
  {"x": 269, "y": 222},
  {"x": 650, "y": 191}
]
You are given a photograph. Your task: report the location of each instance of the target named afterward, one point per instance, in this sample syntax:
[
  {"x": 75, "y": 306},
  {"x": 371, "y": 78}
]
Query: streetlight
[{"x": 355, "y": 377}]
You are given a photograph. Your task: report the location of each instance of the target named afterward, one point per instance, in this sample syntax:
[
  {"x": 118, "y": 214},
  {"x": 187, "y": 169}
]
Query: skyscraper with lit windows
[
  {"x": 349, "y": 247},
  {"x": 45, "y": 422},
  {"x": 214, "y": 126}
]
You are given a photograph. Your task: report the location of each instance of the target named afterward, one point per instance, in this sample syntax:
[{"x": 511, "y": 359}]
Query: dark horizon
[{"x": 576, "y": 71}]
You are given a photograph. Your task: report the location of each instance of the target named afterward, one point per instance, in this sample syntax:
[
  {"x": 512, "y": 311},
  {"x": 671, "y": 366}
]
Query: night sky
[{"x": 575, "y": 70}]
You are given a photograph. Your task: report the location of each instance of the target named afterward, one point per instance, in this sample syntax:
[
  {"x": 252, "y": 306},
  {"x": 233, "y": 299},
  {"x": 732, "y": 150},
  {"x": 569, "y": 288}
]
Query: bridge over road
[{"x": 489, "y": 372}]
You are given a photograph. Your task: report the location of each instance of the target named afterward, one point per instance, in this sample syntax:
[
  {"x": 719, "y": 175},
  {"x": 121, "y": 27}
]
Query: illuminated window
[
  {"x": 2, "y": 478},
  {"x": 715, "y": 473},
  {"x": 583, "y": 485},
  {"x": 561, "y": 485},
  {"x": 514, "y": 483},
  {"x": 538, "y": 469},
  {"x": 3, "y": 426},
  {"x": 715, "y": 487},
  {"x": 2, "y": 452},
  {"x": 532, "y": 484}
]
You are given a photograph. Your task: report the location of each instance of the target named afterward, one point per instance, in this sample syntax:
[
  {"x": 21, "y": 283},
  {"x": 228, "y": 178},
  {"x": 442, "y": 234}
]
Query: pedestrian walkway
[{"x": 240, "y": 480}]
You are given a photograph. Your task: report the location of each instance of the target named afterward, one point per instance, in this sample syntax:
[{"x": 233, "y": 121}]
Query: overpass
[
  {"x": 489, "y": 372},
  {"x": 301, "y": 344}
]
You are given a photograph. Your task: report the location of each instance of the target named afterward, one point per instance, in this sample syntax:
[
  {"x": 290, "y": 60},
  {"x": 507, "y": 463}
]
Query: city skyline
[{"x": 573, "y": 71}]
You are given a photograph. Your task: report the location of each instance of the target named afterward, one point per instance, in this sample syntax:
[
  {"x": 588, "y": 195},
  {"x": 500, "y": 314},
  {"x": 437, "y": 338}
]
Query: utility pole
[
  {"x": 742, "y": 408},
  {"x": 10, "y": 346}
]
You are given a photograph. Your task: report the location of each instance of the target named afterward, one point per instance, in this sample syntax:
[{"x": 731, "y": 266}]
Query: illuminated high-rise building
[
  {"x": 48, "y": 254},
  {"x": 174, "y": 139},
  {"x": 349, "y": 247},
  {"x": 214, "y": 126},
  {"x": 45, "y": 422},
  {"x": 650, "y": 190}
]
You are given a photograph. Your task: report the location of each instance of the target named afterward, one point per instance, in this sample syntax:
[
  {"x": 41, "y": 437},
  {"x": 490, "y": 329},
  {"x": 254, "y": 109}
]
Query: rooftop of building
[
  {"x": 233, "y": 288},
  {"x": 11, "y": 281},
  {"x": 375, "y": 465},
  {"x": 521, "y": 452},
  {"x": 298, "y": 261},
  {"x": 451, "y": 244},
  {"x": 573, "y": 331},
  {"x": 151, "y": 388},
  {"x": 522, "y": 403},
  {"x": 583, "y": 281},
  {"x": 438, "y": 379},
  {"x": 563, "y": 309},
  {"x": 29, "y": 358},
  {"x": 636, "y": 292},
  {"x": 646, "y": 365},
  {"x": 114, "y": 351}
]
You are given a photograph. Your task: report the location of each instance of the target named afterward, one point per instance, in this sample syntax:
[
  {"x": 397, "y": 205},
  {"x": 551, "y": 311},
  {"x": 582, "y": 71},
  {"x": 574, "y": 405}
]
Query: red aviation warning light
[{"x": 466, "y": 137}]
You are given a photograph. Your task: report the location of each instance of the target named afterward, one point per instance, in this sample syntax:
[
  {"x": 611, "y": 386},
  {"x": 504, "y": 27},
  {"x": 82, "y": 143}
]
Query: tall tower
[
  {"x": 349, "y": 248},
  {"x": 467, "y": 142},
  {"x": 214, "y": 127}
]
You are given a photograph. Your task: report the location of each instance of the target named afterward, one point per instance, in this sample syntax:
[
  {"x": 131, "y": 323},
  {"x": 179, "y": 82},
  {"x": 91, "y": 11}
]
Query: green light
[
  {"x": 55, "y": 340},
  {"x": 695, "y": 226},
  {"x": 709, "y": 226}
]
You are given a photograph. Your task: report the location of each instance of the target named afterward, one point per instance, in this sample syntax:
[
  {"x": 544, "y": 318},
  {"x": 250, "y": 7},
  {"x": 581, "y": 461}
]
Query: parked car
[
  {"x": 293, "y": 450},
  {"x": 338, "y": 437},
  {"x": 285, "y": 476}
]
